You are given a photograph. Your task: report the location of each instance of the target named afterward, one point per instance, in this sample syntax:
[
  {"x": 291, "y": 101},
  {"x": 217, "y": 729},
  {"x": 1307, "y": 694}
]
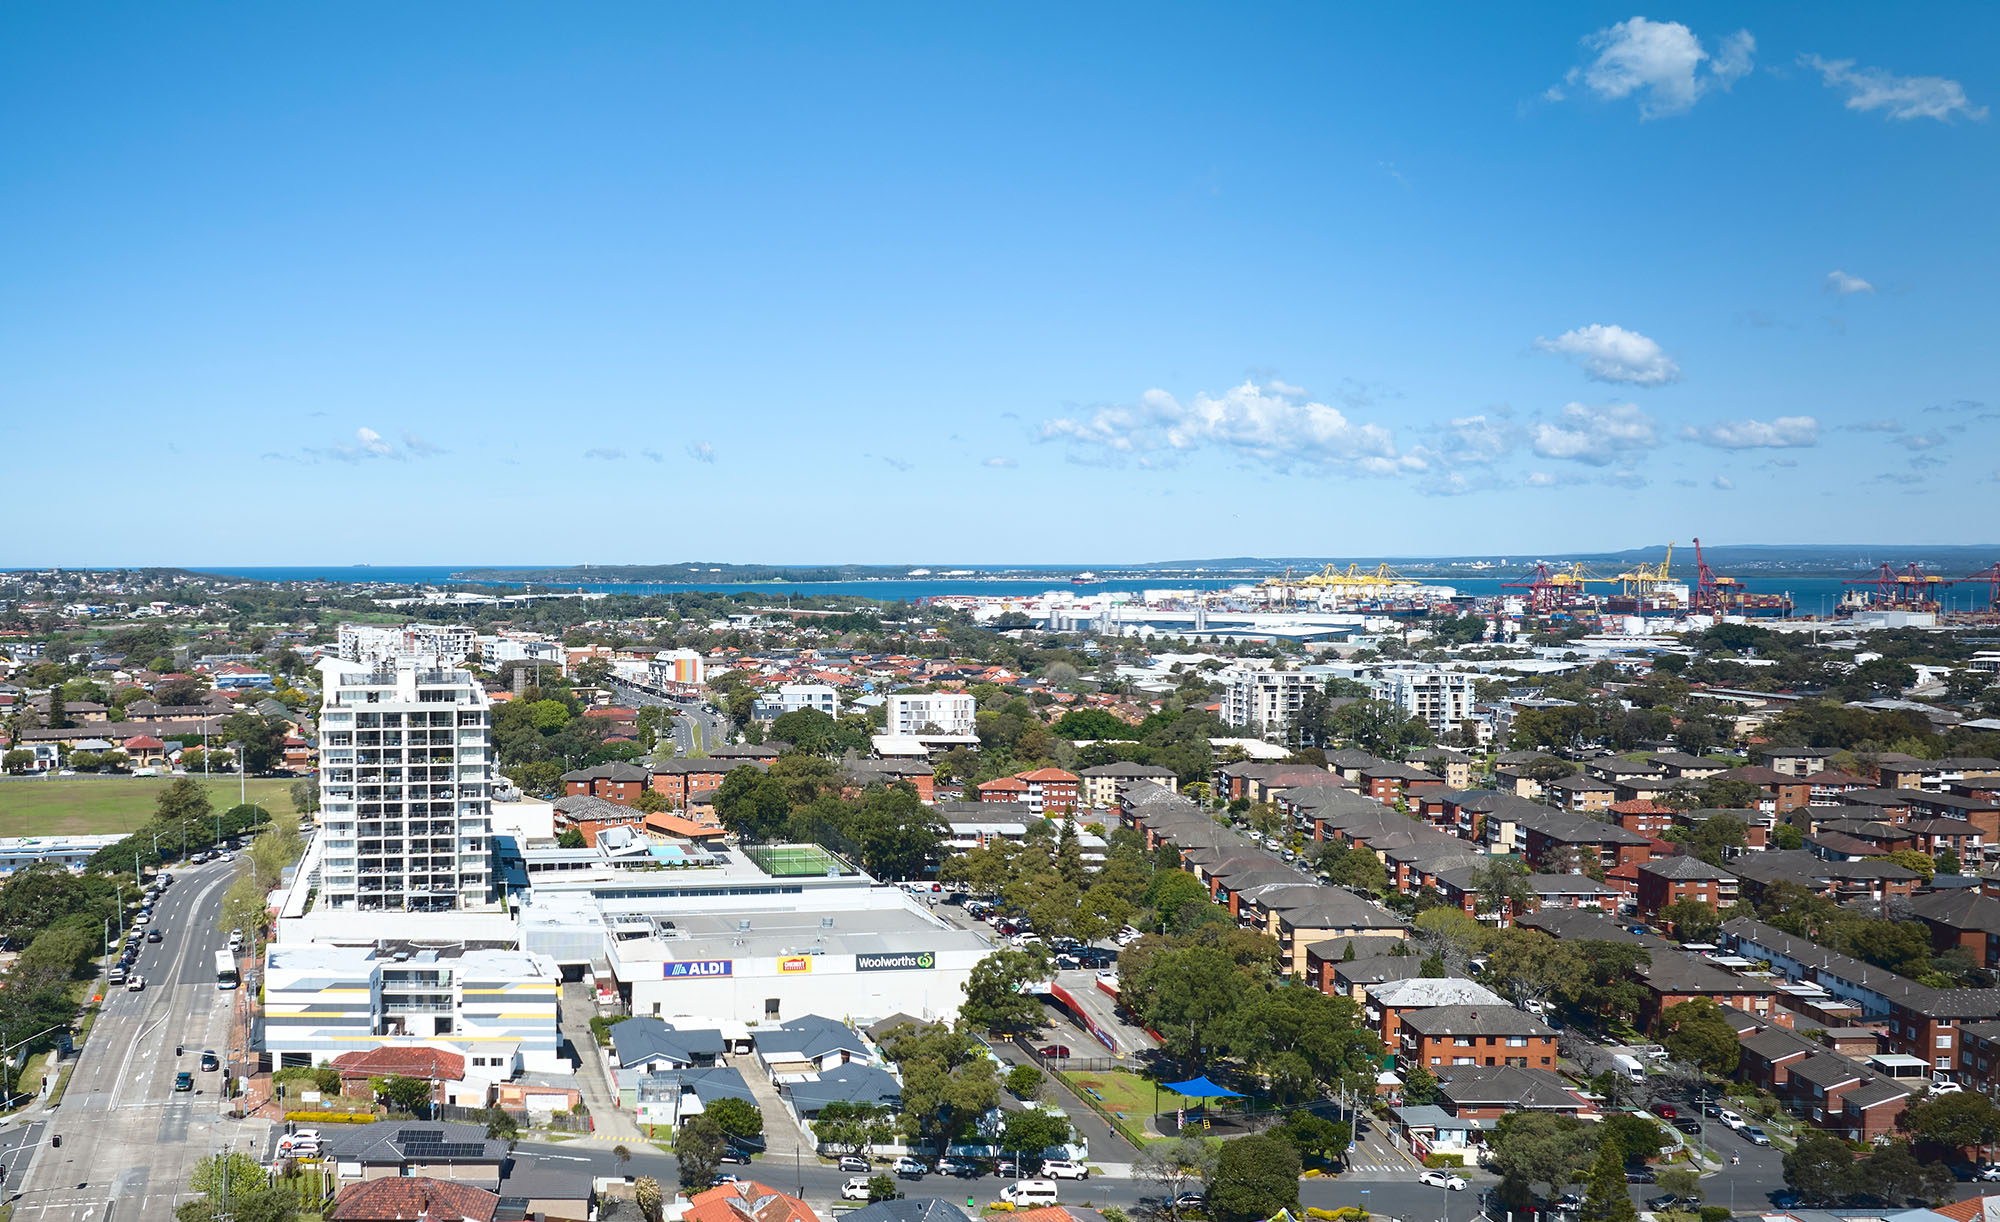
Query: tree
[
  {"x": 1173, "y": 1165},
  {"x": 500, "y": 1126},
  {"x": 1946, "y": 861},
  {"x": 1785, "y": 836},
  {"x": 402, "y": 1094},
  {"x": 1449, "y": 934},
  {"x": 1317, "y": 1138},
  {"x": 1024, "y": 1081},
  {"x": 1636, "y": 1136},
  {"x": 1692, "y": 920},
  {"x": 17, "y": 760},
  {"x": 1254, "y": 1178},
  {"x": 263, "y": 740},
  {"x": 1958, "y": 1120},
  {"x": 1532, "y": 1148},
  {"x": 305, "y": 797},
  {"x": 1695, "y": 1032},
  {"x": 1420, "y": 1086},
  {"x": 1032, "y": 1130},
  {"x": 1820, "y": 1168},
  {"x": 738, "y": 1118},
  {"x": 1608, "y": 1199},
  {"x": 881, "y": 1188},
  {"x": 1728, "y": 793},
  {"x": 1910, "y": 859},
  {"x": 698, "y": 1148},
  {"x": 183, "y": 800},
  {"x": 752, "y": 803},
  {"x": 850, "y": 1128},
  {"x": 993, "y": 997},
  {"x": 650, "y": 1199},
  {"x": 570, "y": 838},
  {"x": 1892, "y": 1175},
  {"x": 236, "y": 1174},
  {"x": 808, "y": 730}
]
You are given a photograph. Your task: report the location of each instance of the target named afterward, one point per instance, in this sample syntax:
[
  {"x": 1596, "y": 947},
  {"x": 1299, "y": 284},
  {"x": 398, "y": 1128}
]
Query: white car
[
  {"x": 1731, "y": 1119},
  {"x": 1063, "y": 1169},
  {"x": 1990, "y": 1172},
  {"x": 1442, "y": 1179},
  {"x": 855, "y": 1189},
  {"x": 1945, "y": 1088}
]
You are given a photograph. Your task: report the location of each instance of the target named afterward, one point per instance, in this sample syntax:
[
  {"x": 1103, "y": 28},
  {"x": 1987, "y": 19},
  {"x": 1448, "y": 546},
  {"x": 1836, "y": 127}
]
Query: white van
[{"x": 1026, "y": 1194}]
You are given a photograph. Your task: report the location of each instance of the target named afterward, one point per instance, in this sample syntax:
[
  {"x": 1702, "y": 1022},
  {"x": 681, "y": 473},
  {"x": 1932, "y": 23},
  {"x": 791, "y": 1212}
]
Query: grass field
[
  {"x": 1125, "y": 1092},
  {"x": 77, "y": 806}
]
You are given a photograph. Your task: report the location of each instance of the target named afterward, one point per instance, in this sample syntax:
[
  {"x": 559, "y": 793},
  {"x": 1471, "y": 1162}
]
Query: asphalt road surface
[{"x": 127, "y": 1135}]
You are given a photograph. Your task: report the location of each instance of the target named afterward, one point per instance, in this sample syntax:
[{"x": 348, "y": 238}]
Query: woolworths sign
[{"x": 904, "y": 961}]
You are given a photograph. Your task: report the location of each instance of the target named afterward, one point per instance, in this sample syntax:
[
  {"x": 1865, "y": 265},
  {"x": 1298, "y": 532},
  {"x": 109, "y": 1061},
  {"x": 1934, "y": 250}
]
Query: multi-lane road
[{"x": 127, "y": 1136}]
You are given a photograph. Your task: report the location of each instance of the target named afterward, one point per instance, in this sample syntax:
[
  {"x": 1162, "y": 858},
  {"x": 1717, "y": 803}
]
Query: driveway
[{"x": 607, "y": 1118}]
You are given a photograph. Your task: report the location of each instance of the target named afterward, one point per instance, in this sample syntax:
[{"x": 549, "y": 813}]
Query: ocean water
[{"x": 1812, "y": 595}]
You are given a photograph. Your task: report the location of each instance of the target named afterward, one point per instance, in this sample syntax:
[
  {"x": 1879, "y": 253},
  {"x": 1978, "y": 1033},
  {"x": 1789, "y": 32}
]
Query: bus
[{"x": 225, "y": 970}]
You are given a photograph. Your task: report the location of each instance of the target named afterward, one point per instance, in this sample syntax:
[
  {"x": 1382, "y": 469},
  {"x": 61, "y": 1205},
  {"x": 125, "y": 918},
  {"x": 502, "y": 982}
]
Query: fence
[{"x": 563, "y": 1122}]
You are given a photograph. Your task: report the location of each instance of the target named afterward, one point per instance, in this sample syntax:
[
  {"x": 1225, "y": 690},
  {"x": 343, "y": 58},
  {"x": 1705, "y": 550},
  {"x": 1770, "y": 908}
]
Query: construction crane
[
  {"x": 1715, "y": 595},
  {"x": 1990, "y": 578},
  {"x": 1908, "y": 589},
  {"x": 1349, "y": 581},
  {"x": 1550, "y": 589},
  {"x": 1640, "y": 579}
]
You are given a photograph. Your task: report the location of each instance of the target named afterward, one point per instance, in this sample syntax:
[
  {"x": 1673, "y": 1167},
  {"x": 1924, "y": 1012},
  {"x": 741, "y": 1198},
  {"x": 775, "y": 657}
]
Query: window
[{"x": 1517, "y": 1041}]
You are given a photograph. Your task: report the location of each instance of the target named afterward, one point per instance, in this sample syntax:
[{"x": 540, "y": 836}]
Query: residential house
[
  {"x": 1102, "y": 784},
  {"x": 687, "y": 783},
  {"x": 1475, "y": 1035},
  {"x": 746, "y": 1201},
  {"x": 1782, "y": 791},
  {"x": 1664, "y": 881},
  {"x": 1387, "y": 1003},
  {"x": 1797, "y": 761},
  {"x": 418, "y": 1197},
  {"x": 1868, "y": 879},
  {"x": 1964, "y": 919}
]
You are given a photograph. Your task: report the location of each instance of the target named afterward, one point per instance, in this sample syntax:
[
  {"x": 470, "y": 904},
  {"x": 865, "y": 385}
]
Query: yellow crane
[{"x": 1641, "y": 578}]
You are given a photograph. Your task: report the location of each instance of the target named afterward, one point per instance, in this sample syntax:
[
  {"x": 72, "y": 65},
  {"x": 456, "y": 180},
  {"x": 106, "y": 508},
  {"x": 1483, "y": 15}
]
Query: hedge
[
  {"x": 1346, "y": 1213},
  {"x": 334, "y": 1117},
  {"x": 1444, "y": 1160}
]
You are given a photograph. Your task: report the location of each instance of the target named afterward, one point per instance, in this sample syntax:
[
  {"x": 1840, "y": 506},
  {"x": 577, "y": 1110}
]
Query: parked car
[
  {"x": 855, "y": 1189},
  {"x": 1656, "y": 1204},
  {"x": 1945, "y": 1088},
  {"x": 1688, "y": 1125},
  {"x": 1064, "y": 1169},
  {"x": 854, "y": 1162},
  {"x": 1638, "y": 1175},
  {"x": 963, "y": 1168},
  {"x": 1189, "y": 1201},
  {"x": 1730, "y": 1118},
  {"x": 730, "y": 1154},
  {"x": 1990, "y": 1172},
  {"x": 1054, "y": 1050},
  {"x": 1442, "y": 1179},
  {"x": 1665, "y": 1111},
  {"x": 912, "y": 1168},
  {"x": 1754, "y": 1135}
]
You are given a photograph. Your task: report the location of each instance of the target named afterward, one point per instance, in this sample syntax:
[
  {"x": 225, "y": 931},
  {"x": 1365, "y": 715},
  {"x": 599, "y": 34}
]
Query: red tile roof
[
  {"x": 143, "y": 742},
  {"x": 1047, "y": 774},
  {"x": 404, "y": 1199},
  {"x": 747, "y": 1201},
  {"x": 431, "y": 1064}
]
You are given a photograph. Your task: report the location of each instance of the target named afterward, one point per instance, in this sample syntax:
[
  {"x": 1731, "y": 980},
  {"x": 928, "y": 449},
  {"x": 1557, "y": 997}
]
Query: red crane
[
  {"x": 1713, "y": 595},
  {"x": 1543, "y": 589},
  {"x": 1990, "y": 577},
  {"x": 1908, "y": 589}
]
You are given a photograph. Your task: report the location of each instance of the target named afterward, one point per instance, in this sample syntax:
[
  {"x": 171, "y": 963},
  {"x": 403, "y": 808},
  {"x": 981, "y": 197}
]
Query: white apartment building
[
  {"x": 1443, "y": 698},
  {"x": 796, "y": 696},
  {"x": 1267, "y": 698},
  {"x": 498, "y": 1006},
  {"x": 405, "y": 766},
  {"x": 519, "y": 647},
  {"x": 448, "y": 644},
  {"x": 931, "y": 713}
]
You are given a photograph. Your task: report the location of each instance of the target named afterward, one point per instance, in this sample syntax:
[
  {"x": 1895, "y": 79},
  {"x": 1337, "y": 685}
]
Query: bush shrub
[
  {"x": 1715, "y": 1213},
  {"x": 1444, "y": 1160},
  {"x": 333, "y": 1117},
  {"x": 1346, "y": 1213}
]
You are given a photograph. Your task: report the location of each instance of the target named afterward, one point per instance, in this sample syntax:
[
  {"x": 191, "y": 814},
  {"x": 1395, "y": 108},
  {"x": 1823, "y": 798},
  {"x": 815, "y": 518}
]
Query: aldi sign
[
  {"x": 686, "y": 968},
  {"x": 903, "y": 961}
]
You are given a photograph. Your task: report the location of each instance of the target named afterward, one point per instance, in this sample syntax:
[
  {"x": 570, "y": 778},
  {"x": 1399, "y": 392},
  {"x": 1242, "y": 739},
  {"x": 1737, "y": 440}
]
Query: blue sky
[{"x": 1020, "y": 283}]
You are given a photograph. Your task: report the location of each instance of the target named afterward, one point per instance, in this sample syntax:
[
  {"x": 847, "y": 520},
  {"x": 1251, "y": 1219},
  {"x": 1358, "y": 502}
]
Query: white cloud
[
  {"x": 1596, "y": 435},
  {"x": 1541, "y": 479},
  {"x": 1920, "y": 441},
  {"x": 1724, "y": 483},
  {"x": 1613, "y": 354},
  {"x": 367, "y": 444},
  {"x": 1659, "y": 63},
  {"x": 1902, "y": 97},
  {"x": 1001, "y": 464},
  {"x": 421, "y": 448},
  {"x": 1281, "y": 429},
  {"x": 604, "y": 453},
  {"x": 653, "y": 456},
  {"x": 1785, "y": 432},
  {"x": 371, "y": 442},
  {"x": 1838, "y": 281},
  {"x": 701, "y": 451}
]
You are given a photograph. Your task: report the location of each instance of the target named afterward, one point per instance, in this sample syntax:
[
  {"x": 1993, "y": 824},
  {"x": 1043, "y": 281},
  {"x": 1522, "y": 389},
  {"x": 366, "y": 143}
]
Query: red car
[
  {"x": 1665, "y": 1111},
  {"x": 1054, "y": 1050}
]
